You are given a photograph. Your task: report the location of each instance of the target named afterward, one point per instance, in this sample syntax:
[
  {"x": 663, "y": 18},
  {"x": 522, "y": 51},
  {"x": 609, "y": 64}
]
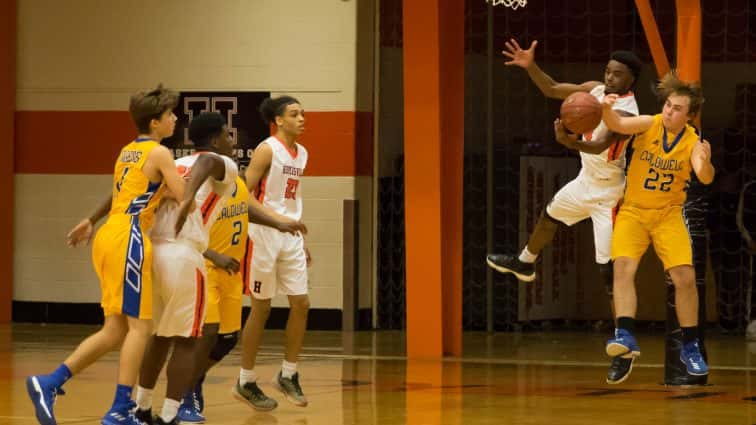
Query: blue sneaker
[
  {"x": 189, "y": 411},
  {"x": 694, "y": 361},
  {"x": 122, "y": 415},
  {"x": 43, "y": 396},
  {"x": 623, "y": 343}
]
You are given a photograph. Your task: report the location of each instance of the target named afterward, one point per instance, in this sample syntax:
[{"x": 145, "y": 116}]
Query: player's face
[
  {"x": 165, "y": 125},
  {"x": 292, "y": 120},
  {"x": 675, "y": 112},
  {"x": 617, "y": 78},
  {"x": 224, "y": 143}
]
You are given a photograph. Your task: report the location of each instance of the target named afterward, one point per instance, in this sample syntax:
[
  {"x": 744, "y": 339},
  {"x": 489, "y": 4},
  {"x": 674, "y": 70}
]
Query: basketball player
[
  {"x": 227, "y": 260},
  {"x": 122, "y": 257},
  {"x": 665, "y": 151},
  {"x": 598, "y": 187},
  {"x": 179, "y": 266},
  {"x": 746, "y": 213},
  {"x": 279, "y": 263}
]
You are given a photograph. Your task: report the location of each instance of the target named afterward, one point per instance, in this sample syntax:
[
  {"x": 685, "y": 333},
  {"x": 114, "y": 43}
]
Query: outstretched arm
[
  {"x": 547, "y": 85},
  {"x": 623, "y": 125}
]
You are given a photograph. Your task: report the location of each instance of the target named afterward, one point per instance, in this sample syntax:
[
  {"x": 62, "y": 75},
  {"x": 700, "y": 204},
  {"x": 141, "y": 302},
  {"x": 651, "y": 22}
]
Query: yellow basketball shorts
[
  {"x": 122, "y": 257},
  {"x": 224, "y": 299},
  {"x": 635, "y": 228}
]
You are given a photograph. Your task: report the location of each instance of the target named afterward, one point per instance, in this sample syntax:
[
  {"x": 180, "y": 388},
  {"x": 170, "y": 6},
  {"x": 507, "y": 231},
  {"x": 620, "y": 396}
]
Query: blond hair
[{"x": 671, "y": 84}]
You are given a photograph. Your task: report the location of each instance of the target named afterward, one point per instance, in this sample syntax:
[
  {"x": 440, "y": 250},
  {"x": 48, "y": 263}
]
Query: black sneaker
[
  {"x": 253, "y": 396},
  {"x": 620, "y": 369},
  {"x": 144, "y": 415},
  {"x": 509, "y": 264},
  {"x": 291, "y": 389}
]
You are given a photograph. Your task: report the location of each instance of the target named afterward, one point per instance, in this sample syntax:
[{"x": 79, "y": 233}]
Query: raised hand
[
  {"x": 702, "y": 150},
  {"x": 81, "y": 233},
  {"x": 518, "y": 56}
]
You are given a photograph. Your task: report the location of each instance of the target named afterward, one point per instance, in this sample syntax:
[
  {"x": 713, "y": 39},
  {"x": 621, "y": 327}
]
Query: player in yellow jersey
[
  {"x": 665, "y": 152},
  {"x": 228, "y": 271},
  {"x": 122, "y": 258}
]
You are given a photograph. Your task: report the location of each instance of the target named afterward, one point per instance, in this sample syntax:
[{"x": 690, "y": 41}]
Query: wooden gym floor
[{"x": 363, "y": 378}]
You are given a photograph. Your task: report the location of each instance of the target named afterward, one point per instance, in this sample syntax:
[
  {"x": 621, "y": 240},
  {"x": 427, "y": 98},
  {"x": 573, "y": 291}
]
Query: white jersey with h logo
[
  {"x": 608, "y": 165},
  {"x": 178, "y": 264},
  {"x": 279, "y": 264},
  {"x": 600, "y": 184},
  {"x": 280, "y": 189}
]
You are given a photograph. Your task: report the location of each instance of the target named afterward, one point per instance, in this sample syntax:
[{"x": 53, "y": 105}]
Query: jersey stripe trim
[
  {"x": 209, "y": 206},
  {"x": 199, "y": 304}
]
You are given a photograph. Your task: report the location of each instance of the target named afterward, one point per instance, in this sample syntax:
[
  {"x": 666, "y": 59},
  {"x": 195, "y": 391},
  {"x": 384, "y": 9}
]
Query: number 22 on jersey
[{"x": 291, "y": 189}]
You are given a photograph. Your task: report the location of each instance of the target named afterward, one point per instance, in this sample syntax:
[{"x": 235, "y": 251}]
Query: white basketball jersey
[
  {"x": 210, "y": 199},
  {"x": 609, "y": 164},
  {"x": 280, "y": 190}
]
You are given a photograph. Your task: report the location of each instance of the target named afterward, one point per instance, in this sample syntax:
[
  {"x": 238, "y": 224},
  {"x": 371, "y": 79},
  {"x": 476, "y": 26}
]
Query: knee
[
  {"x": 260, "y": 307},
  {"x": 300, "y": 303},
  {"x": 683, "y": 277},
  {"x": 224, "y": 343}
]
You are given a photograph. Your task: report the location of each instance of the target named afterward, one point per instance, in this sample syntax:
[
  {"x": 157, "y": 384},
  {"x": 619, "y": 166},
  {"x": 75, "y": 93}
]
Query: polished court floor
[{"x": 363, "y": 378}]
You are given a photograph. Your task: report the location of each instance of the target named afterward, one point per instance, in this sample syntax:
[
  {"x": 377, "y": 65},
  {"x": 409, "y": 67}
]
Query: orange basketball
[{"x": 580, "y": 112}]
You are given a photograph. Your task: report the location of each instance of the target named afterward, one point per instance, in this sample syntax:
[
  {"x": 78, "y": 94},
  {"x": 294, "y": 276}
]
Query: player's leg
[
  {"x": 135, "y": 299},
  {"x": 629, "y": 241},
  {"x": 675, "y": 371},
  {"x": 44, "y": 388},
  {"x": 292, "y": 280},
  {"x": 192, "y": 402},
  {"x": 262, "y": 287},
  {"x": 673, "y": 245},
  {"x": 567, "y": 207}
]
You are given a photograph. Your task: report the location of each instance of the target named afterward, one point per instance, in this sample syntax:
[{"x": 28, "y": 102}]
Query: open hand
[
  {"x": 518, "y": 56},
  {"x": 81, "y": 233}
]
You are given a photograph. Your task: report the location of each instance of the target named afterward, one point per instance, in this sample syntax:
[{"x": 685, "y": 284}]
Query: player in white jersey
[
  {"x": 179, "y": 266},
  {"x": 279, "y": 260},
  {"x": 599, "y": 186}
]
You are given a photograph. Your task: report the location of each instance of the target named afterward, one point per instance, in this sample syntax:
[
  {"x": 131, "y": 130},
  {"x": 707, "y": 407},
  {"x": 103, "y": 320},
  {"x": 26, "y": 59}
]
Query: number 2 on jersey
[
  {"x": 650, "y": 183},
  {"x": 291, "y": 189},
  {"x": 235, "y": 238}
]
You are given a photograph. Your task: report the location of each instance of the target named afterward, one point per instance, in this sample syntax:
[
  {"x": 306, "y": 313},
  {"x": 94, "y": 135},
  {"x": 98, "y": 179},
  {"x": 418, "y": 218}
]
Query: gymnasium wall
[{"x": 78, "y": 62}]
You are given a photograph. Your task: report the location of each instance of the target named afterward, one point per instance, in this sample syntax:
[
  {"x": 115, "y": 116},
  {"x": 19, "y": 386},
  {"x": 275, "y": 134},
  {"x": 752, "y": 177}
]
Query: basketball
[{"x": 580, "y": 112}]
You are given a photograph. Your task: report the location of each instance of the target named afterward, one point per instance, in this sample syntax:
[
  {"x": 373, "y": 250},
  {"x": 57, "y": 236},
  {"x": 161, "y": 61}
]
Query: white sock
[
  {"x": 288, "y": 369},
  {"x": 170, "y": 409},
  {"x": 143, "y": 398},
  {"x": 527, "y": 256},
  {"x": 247, "y": 375}
]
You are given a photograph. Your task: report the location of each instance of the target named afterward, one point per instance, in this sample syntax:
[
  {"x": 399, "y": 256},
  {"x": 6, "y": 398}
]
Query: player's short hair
[
  {"x": 630, "y": 60},
  {"x": 146, "y": 106},
  {"x": 273, "y": 107},
  {"x": 671, "y": 84},
  {"x": 204, "y": 127}
]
